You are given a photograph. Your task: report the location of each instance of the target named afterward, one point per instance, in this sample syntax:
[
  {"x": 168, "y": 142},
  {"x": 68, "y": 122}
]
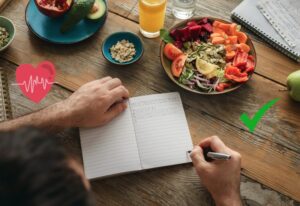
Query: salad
[{"x": 209, "y": 55}]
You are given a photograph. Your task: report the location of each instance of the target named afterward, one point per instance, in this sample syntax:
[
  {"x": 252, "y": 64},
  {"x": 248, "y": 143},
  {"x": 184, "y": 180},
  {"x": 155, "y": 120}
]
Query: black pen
[{"x": 216, "y": 155}]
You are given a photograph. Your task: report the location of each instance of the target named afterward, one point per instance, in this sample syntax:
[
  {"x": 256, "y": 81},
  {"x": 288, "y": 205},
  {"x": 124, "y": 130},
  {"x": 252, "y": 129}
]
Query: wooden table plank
[
  {"x": 178, "y": 185},
  {"x": 83, "y": 62},
  {"x": 122, "y": 8}
]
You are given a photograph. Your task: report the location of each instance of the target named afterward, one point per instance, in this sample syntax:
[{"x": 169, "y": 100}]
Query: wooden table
[{"x": 271, "y": 160}]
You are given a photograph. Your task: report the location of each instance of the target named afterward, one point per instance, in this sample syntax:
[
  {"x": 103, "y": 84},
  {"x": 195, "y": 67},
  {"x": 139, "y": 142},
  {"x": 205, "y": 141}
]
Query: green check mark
[{"x": 251, "y": 123}]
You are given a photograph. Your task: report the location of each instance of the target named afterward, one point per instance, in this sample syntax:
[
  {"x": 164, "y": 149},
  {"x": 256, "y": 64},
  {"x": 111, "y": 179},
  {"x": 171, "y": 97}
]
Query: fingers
[
  {"x": 113, "y": 83},
  {"x": 197, "y": 157},
  {"x": 237, "y": 157},
  {"x": 105, "y": 79},
  {"x": 115, "y": 110},
  {"x": 118, "y": 94},
  {"x": 215, "y": 143}
]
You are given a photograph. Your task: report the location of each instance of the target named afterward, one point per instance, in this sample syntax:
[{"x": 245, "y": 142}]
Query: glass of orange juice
[{"x": 152, "y": 17}]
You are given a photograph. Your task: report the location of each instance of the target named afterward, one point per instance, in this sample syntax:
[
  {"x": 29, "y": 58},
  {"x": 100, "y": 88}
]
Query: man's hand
[
  {"x": 221, "y": 178},
  {"x": 95, "y": 103}
]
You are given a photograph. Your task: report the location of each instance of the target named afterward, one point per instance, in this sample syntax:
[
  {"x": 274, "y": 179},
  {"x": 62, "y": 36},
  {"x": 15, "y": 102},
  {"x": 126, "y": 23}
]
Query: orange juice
[{"x": 152, "y": 16}]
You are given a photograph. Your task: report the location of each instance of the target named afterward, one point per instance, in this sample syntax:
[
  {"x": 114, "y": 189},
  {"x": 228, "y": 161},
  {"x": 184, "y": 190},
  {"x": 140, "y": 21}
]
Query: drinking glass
[
  {"x": 152, "y": 17},
  {"x": 183, "y": 9}
]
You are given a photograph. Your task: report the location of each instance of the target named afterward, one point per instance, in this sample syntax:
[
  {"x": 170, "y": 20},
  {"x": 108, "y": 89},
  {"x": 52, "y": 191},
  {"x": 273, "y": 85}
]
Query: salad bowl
[{"x": 167, "y": 62}]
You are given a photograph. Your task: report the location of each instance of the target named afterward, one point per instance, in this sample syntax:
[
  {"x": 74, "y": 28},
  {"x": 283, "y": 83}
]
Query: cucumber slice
[{"x": 98, "y": 10}]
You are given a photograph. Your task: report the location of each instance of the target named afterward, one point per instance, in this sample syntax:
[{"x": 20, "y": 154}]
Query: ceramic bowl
[
  {"x": 118, "y": 36},
  {"x": 9, "y": 26},
  {"x": 166, "y": 64}
]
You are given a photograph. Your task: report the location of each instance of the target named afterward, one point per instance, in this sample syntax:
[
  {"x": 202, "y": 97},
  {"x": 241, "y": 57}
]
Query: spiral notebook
[
  {"x": 5, "y": 106},
  {"x": 152, "y": 132},
  {"x": 250, "y": 16}
]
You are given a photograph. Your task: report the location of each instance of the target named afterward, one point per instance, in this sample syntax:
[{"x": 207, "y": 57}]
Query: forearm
[{"x": 52, "y": 118}]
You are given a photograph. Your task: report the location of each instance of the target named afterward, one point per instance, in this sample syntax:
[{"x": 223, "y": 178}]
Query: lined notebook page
[
  {"x": 5, "y": 105},
  {"x": 161, "y": 129},
  {"x": 110, "y": 149}
]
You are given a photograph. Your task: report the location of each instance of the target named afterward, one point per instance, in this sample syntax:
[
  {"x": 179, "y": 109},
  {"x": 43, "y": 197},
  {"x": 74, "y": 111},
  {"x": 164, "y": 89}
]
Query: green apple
[{"x": 293, "y": 83}]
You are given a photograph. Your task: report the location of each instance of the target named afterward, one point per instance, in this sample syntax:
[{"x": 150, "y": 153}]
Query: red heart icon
[{"x": 35, "y": 83}]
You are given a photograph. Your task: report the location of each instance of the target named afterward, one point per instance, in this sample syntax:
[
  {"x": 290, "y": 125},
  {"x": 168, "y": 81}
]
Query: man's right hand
[
  {"x": 95, "y": 103},
  {"x": 221, "y": 178}
]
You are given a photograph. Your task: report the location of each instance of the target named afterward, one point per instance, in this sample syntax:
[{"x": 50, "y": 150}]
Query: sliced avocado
[
  {"x": 78, "y": 11},
  {"x": 97, "y": 11}
]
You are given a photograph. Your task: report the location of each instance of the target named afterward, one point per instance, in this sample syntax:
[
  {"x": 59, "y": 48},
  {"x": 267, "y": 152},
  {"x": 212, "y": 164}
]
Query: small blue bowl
[{"x": 118, "y": 36}]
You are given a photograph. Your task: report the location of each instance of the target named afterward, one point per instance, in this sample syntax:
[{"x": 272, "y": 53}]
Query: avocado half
[{"x": 98, "y": 10}]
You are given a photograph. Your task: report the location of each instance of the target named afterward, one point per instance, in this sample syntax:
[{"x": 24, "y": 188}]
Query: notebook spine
[
  {"x": 5, "y": 100},
  {"x": 282, "y": 48}
]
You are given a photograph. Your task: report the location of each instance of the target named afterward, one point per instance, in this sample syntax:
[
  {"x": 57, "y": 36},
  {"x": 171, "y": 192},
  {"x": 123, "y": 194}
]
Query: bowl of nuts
[
  {"x": 122, "y": 48},
  {"x": 7, "y": 32}
]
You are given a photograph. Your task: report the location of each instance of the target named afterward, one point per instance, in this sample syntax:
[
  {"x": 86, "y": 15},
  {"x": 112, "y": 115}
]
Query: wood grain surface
[
  {"x": 271, "y": 155},
  {"x": 178, "y": 185}
]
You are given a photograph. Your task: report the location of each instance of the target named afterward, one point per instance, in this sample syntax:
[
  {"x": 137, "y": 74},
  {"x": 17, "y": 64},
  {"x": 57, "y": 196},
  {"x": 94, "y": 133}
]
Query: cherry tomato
[
  {"x": 171, "y": 51},
  {"x": 178, "y": 64}
]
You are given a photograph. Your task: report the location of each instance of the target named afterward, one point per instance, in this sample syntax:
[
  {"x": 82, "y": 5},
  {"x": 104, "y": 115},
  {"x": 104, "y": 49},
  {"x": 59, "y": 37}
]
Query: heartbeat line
[{"x": 32, "y": 83}]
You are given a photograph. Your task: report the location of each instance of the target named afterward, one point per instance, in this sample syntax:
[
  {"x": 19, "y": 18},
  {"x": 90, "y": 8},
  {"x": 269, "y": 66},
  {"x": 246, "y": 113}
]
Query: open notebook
[
  {"x": 5, "y": 105},
  {"x": 152, "y": 132}
]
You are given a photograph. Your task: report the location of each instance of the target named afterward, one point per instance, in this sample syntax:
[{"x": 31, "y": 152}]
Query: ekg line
[{"x": 32, "y": 83}]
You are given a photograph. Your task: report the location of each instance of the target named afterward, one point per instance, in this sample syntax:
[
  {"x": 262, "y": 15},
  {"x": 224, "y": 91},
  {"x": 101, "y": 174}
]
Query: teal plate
[{"x": 48, "y": 29}]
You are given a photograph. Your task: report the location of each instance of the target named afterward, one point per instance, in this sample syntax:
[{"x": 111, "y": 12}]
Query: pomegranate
[{"x": 53, "y": 8}]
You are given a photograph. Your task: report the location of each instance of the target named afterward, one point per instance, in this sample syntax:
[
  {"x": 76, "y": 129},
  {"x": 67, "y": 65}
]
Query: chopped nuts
[
  {"x": 123, "y": 51},
  {"x": 4, "y": 37}
]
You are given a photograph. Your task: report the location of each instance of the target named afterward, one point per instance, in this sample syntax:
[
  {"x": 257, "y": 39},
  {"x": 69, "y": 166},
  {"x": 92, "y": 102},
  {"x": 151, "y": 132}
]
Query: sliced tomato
[
  {"x": 250, "y": 65},
  {"x": 251, "y": 57},
  {"x": 227, "y": 41},
  {"x": 225, "y": 27},
  {"x": 222, "y": 86},
  {"x": 240, "y": 59},
  {"x": 233, "y": 29},
  {"x": 242, "y": 37},
  {"x": 230, "y": 48},
  {"x": 233, "y": 39},
  {"x": 235, "y": 74},
  {"x": 244, "y": 47},
  {"x": 215, "y": 35},
  {"x": 178, "y": 64},
  {"x": 171, "y": 51},
  {"x": 218, "y": 40},
  {"x": 218, "y": 30},
  {"x": 217, "y": 23},
  {"x": 230, "y": 55}
]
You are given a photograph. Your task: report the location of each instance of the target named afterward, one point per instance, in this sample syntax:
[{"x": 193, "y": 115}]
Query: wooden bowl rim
[{"x": 181, "y": 24}]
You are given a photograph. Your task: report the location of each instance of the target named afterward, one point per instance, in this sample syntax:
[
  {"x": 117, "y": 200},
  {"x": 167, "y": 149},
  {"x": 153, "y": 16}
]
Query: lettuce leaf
[{"x": 165, "y": 36}]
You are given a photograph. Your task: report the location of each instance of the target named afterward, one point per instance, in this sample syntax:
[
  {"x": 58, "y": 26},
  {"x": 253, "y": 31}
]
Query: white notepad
[
  {"x": 152, "y": 132},
  {"x": 250, "y": 16}
]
